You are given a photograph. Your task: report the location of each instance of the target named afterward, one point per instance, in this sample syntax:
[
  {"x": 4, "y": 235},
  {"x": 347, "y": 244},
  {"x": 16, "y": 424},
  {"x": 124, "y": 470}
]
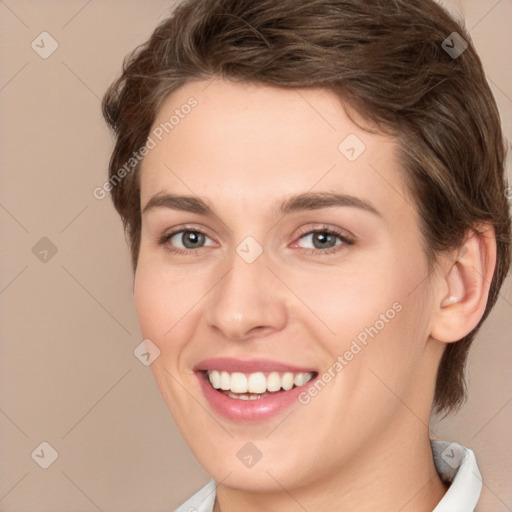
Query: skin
[{"x": 363, "y": 442}]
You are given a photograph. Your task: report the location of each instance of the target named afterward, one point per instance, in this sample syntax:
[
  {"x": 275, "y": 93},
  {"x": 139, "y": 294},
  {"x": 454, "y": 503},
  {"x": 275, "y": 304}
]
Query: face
[{"x": 287, "y": 295}]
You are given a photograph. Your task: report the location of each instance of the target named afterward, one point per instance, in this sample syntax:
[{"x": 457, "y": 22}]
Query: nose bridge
[{"x": 246, "y": 298}]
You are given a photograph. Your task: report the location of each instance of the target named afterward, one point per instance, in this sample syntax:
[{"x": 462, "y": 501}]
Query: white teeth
[
  {"x": 214, "y": 379},
  {"x": 274, "y": 382},
  {"x": 256, "y": 385},
  {"x": 247, "y": 396},
  {"x": 300, "y": 379},
  {"x": 287, "y": 382},
  {"x": 225, "y": 381},
  {"x": 238, "y": 383}
]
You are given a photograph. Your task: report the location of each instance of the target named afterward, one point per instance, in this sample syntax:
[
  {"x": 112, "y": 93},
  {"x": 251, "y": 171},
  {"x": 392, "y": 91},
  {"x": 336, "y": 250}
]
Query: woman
[{"x": 314, "y": 194}]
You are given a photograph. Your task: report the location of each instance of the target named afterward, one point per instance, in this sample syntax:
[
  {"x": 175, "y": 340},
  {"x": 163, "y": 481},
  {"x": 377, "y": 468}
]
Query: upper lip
[{"x": 230, "y": 365}]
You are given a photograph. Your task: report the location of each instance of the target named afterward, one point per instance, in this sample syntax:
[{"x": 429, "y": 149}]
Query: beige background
[{"x": 68, "y": 375}]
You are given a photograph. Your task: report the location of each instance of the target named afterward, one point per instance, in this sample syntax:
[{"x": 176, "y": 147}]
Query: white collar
[{"x": 455, "y": 464}]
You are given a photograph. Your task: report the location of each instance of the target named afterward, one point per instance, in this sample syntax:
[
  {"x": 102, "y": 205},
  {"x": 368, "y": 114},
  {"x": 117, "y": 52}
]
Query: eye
[
  {"x": 325, "y": 241},
  {"x": 184, "y": 240}
]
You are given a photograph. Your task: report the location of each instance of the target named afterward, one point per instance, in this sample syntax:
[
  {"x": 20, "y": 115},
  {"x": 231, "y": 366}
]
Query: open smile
[{"x": 251, "y": 391}]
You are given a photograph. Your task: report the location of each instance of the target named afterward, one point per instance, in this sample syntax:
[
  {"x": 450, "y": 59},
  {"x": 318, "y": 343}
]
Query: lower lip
[{"x": 249, "y": 411}]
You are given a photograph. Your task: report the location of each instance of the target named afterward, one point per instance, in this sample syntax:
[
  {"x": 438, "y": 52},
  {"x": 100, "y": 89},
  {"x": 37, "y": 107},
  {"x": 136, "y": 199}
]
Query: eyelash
[
  {"x": 310, "y": 252},
  {"x": 328, "y": 231}
]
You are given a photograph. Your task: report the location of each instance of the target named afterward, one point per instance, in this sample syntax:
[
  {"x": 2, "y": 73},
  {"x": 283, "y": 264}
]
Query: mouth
[
  {"x": 257, "y": 385},
  {"x": 251, "y": 391},
  {"x": 248, "y": 391}
]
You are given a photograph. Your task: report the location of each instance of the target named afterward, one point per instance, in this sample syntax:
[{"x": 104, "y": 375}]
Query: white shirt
[{"x": 455, "y": 464}]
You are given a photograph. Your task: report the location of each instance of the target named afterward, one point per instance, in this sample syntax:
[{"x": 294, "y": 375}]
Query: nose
[{"x": 249, "y": 301}]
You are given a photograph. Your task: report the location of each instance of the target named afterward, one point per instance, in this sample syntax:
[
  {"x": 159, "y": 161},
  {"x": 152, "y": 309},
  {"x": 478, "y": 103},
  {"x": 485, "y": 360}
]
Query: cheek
[
  {"x": 162, "y": 300},
  {"x": 392, "y": 351},
  {"x": 150, "y": 298},
  {"x": 378, "y": 312},
  {"x": 164, "y": 306},
  {"x": 349, "y": 300}
]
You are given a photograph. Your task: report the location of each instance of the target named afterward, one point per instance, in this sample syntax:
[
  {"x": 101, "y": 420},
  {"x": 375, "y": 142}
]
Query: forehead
[{"x": 224, "y": 140}]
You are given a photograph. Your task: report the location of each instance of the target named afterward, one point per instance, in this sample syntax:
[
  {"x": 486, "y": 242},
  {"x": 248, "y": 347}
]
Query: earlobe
[{"x": 464, "y": 289}]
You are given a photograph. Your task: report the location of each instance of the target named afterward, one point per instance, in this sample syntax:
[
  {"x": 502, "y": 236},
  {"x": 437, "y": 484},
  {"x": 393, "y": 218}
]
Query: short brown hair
[{"x": 386, "y": 59}]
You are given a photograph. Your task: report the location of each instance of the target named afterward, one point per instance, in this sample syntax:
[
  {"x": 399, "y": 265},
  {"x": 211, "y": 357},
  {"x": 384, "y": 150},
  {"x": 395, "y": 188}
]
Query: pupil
[
  {"x": 323, "y": 238},
  {"x": 192, "y": 238}
]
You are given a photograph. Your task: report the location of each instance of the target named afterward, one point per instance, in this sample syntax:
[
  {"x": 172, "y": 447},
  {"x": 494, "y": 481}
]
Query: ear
[{"x": 463, "y": 288}]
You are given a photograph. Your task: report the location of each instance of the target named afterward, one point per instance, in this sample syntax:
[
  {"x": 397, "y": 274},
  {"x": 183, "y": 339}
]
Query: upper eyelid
[
  {"x": 325, "y": 228},
  {"x": 303, "y": 231}
]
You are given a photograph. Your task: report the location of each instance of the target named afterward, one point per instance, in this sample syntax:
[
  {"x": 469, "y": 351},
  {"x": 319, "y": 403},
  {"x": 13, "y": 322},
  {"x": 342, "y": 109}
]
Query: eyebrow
[{"x": 301, "y": 202}]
